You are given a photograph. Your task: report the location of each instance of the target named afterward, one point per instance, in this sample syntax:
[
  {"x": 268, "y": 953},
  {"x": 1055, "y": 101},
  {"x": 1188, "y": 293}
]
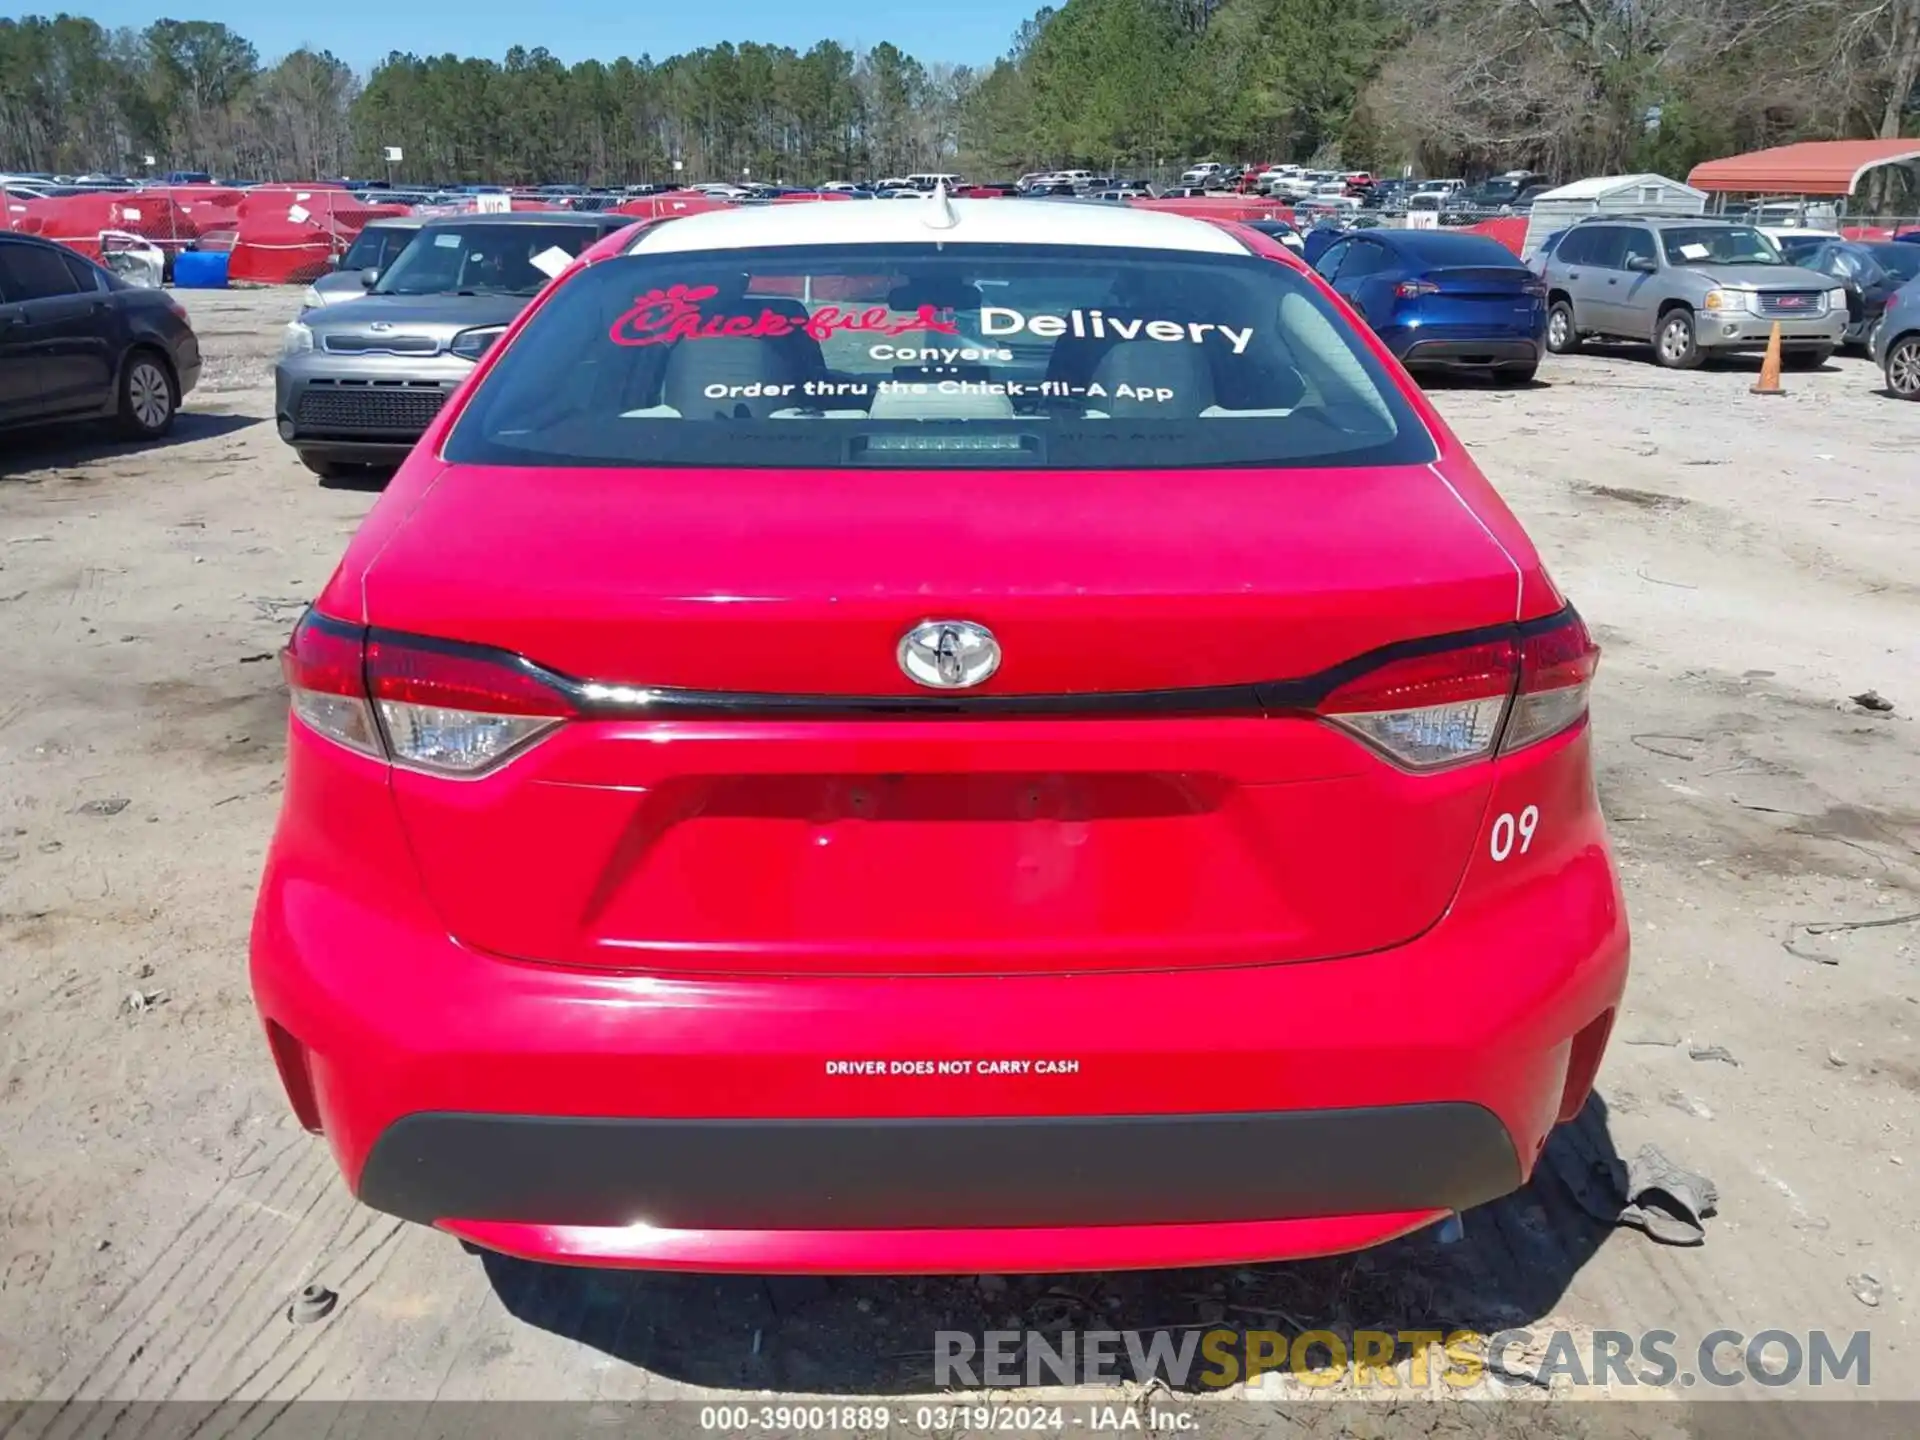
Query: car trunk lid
[{"x": 1181, "y": 827}]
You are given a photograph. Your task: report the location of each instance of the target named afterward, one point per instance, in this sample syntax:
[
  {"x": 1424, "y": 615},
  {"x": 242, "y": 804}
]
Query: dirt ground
[{"x": 1749, "y": 564}]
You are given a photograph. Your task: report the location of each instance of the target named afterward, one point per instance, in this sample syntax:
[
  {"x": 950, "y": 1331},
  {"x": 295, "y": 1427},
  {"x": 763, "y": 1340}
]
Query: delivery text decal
[{"x": 997, "y": 323}]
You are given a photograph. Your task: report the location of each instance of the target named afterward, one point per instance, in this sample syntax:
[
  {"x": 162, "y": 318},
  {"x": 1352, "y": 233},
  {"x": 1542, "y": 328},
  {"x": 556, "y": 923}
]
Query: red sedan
[{"x": 953, "y": 737}]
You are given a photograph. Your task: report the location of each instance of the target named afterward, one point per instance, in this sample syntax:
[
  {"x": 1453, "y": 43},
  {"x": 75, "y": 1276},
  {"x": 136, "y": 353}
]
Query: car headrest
[
  {"x": 709, "y": 379},
  {"x": 1151, "y": 379},
  {"x": 939, "y": 292}
]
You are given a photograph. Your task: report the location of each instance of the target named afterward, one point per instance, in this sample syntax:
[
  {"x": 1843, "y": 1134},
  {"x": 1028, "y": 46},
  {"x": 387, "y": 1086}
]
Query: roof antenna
[{"x": 939, "y": 213}]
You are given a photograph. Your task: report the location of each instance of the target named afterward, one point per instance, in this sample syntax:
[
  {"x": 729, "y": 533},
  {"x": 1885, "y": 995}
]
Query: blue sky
[{"x": 362, "y": 31}]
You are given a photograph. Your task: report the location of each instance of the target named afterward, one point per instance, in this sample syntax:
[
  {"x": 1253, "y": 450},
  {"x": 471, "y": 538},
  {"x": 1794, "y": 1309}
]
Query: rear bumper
[
  {"x": 940, "y": 1172},
  {"x": 1470, "y": 354},
  {"x": 186, "y": 363},
  {"x": 931, "y": 1123}
]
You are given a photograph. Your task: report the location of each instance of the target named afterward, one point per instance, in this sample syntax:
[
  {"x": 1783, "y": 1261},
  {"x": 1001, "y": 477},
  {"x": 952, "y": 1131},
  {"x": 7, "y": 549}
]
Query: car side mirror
[
  {"x": 370, "y": 277},
  {"x": 1643, "y": 264}
]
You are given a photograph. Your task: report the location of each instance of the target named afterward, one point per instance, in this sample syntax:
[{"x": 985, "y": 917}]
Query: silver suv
[{"x": 1690, "y": 286}]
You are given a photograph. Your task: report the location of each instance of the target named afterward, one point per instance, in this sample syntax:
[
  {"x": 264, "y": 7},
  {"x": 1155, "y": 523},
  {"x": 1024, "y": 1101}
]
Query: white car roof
[{"x": 973, "y": 222}]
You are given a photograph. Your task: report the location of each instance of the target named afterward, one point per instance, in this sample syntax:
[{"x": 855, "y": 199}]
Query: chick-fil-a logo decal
[{"x": 661, "y": 316}]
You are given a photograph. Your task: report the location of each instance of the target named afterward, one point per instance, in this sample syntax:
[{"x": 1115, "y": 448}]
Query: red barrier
[
  {"x": 1225, "y": 207},
  {"x": 288, "y": 234},
  {"x": 77, "y": 220},
  {"x": 1509, "y": 230},
  {"x": 660, "y": 207}
]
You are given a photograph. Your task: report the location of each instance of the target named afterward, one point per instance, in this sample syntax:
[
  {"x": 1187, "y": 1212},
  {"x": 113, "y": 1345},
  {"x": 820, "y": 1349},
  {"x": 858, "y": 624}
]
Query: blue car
[
  {"x": 1443, "y": 300},
  {"x": 1896, "y": 342}
]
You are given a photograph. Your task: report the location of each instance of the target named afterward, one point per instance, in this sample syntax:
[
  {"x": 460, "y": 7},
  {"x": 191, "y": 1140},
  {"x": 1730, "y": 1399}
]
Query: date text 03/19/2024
[{"x": 947, "y": 1419}]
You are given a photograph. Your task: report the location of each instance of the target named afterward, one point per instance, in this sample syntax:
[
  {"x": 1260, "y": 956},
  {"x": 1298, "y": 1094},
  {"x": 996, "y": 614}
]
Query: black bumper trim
[
  {"x": 939, "y": 1173},
  {"x": 1471, "y": 354}
]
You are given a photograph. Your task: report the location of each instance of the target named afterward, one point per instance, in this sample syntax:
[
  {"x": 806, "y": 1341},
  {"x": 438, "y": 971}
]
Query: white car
[{"x": 1201, "y": 173}]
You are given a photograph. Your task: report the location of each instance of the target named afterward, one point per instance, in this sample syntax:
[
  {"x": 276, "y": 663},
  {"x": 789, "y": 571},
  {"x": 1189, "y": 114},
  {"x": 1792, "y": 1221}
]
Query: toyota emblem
[{"x": 949, "y": 654}]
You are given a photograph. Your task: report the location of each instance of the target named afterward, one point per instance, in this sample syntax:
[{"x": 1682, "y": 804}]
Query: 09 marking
[{"x": 1504, "y": 828}]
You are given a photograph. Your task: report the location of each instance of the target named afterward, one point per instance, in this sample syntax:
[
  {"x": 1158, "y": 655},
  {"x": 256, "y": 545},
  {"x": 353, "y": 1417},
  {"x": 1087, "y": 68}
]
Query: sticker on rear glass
[
  {"x": 447, "y": 241},
  {"x": 661, "y": 316},
  {"x": 996, "y": 322},
  {"x": 1694, "y": 252},
  {"x": 551, "y": 261}
]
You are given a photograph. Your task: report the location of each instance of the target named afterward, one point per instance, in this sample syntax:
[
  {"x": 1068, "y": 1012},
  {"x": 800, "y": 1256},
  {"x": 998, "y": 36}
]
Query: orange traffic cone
[{"x": 1769, "y": 383}]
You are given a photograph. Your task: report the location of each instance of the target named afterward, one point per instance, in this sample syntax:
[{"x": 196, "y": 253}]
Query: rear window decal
[
  {"x": 997, "y": 322},
  {"x": 662, "y": 316}
]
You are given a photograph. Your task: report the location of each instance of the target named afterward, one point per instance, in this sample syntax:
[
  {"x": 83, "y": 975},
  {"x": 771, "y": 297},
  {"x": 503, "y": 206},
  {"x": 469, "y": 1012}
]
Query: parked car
[
  {"x": 1691, "y": 287},
  {"x": 1440, "y": 301},
  {"x": 596, "y": 926},
  {"x": 1200, "y": 174},
  {"x": 1500, "y": 192},
  {"x": 1280, "y": 230},
  {"x": 79, "y": 343},
  {"x": 1870, "y": 271},
  {"x": 376, "y": 247},
  {"x": 1896, "y": 342},
  {"x": 1389, "y": 194},
  {"x": 358, "y": 382}
]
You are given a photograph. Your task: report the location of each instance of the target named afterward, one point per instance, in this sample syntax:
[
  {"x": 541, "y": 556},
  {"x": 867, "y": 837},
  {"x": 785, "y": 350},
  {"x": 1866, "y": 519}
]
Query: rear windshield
[
  {"x": 1901, "y": 261},
  {"x": 919, "y": 355},
  {"x": 1439, "y": 249},
  {"x": 484, "y": 259}
]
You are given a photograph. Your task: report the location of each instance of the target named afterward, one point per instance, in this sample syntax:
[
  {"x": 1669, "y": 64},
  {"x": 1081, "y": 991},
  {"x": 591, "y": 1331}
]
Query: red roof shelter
[{"x": 1814, "y": 167}]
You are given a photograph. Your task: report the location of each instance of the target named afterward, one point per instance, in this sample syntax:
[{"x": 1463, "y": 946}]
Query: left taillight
[
  {"x": 324, "y": 664},
  {"x": 442, "y": 708}
]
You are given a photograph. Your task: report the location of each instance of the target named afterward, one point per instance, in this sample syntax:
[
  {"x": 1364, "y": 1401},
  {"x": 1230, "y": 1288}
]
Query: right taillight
[
  {"x": 441, "y": 708},
  {"x": 1556, "y": 671},
  {"x": 1463, "y": 703}
]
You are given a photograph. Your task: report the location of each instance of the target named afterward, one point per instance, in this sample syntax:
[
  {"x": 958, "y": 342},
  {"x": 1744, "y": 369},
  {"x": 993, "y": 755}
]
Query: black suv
[{"x": 78, "y": 343}]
